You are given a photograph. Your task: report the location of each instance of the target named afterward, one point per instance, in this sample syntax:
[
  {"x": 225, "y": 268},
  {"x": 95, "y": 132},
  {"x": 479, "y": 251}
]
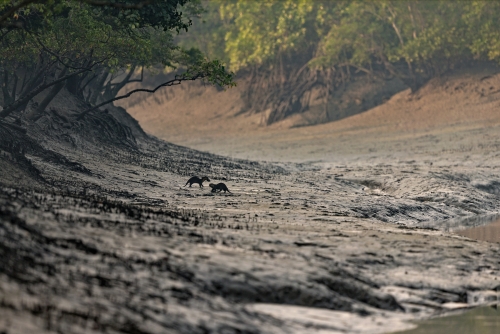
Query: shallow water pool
[{"x": 483, "y": 320}]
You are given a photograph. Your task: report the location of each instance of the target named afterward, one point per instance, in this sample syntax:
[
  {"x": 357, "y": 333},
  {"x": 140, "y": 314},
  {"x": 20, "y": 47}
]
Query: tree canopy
[
  {"x": 357, "y": 32},
  {"x": 413, "y": 40},
  {"x": 86, "y": 44}
]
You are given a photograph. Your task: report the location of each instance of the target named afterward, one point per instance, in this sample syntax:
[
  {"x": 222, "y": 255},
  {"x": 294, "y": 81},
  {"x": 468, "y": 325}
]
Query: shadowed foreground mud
[{"x": 108, "y": 240}]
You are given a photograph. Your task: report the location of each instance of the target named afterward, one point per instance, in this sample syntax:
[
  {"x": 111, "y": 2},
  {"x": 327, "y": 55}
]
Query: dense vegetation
[
  {"x": 92, "y": 48},
  {"x": 288, "y": 46}
]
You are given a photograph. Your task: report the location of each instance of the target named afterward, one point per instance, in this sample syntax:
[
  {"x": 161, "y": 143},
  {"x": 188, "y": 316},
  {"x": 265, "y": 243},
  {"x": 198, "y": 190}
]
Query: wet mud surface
[
  {"x": 353, "y": 246},
  {"x": 481, "y": 320}
]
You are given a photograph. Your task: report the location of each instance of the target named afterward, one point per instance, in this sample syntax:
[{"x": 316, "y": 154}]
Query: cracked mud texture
[{"x": 101, "y": 236}]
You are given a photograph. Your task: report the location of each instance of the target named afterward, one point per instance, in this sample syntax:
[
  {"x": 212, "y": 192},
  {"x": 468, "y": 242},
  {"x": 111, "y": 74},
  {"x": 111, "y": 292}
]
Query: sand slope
[{"x": 202, "y": 118}]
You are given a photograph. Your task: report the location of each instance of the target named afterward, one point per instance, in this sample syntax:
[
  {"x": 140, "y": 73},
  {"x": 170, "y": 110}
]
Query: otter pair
[{"x": 215, "y": 187}]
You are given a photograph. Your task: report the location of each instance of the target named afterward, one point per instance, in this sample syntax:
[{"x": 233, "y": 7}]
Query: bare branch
[
  {"x": 89, "y": 81},
  {"x": 9, "y": 109},
  {"x": 59, "y": 58},
  {"x": 138, "y": 80},
  {"x": 177, "y": 81},
  {"x": 16, "y": 104}
]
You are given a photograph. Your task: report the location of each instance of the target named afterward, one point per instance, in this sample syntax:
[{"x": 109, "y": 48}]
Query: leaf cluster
[{"x": 75, "y": 29}]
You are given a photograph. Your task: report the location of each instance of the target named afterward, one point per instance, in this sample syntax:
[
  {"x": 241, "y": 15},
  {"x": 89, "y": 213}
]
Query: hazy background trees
[{"x": 288, "y": 46}]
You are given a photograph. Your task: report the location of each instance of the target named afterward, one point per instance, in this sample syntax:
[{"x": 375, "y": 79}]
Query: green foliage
[
  {"x": 91, "y": 42},
  {"x": 259, "y": 30},
  {"x": 117, "y": 36},
  {"x": 358, "y": 31},
  {"x": 482, "y": 18},
  {"x": 212, "y": 71},
  {"x": 206, "y": 33},
  {"x": 160, "y": 14},
  {"x": 360, "y": 34},
  {"x": 83, "y": 32},
  {"x": 164, "y": 14},
  {"x": 244, "y": 33},
  {"x": 416, "y": 32}
]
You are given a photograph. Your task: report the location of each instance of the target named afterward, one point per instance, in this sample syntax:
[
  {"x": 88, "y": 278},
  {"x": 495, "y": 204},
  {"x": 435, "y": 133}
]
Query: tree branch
[
  {"x": 59, "y": 58},
  {"x": 177, "y": 81},
  {"x": 9, "y": 109},
  {"x": 89, "y": 81}
]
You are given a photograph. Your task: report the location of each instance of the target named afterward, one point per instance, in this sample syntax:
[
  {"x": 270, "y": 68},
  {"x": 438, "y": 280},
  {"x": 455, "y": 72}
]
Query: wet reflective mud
[
  {"x": 483, "y": 320},
  {"x": 489, "y": 232}
]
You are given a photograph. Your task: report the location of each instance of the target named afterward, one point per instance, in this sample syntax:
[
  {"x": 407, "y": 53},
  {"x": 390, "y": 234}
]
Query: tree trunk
[
  {"x": 14, "y": 87},
  {"x": 23, "y": 101},
  {"x": 98, "y": 87},
  {"x": 5, "y": 88},
  {"x": 117, "y": 87},
  {"x": 327, "y": 95},
  {"x": 38, "y": 112},
  {"x": 73, "y": 86}
]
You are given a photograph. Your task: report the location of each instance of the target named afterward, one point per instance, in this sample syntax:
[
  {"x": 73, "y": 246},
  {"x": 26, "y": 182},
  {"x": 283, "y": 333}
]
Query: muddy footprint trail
[{"x": 116, "y": 244}]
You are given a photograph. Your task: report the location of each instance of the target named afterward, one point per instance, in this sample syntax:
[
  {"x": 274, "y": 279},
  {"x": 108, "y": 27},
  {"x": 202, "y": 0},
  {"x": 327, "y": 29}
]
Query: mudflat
[{"x": 338, "y": 228}]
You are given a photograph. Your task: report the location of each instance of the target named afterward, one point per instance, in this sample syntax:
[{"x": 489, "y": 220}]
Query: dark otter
[
  {"x": 196, "y": 179},
  {"x": 219, "y": 187}
]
